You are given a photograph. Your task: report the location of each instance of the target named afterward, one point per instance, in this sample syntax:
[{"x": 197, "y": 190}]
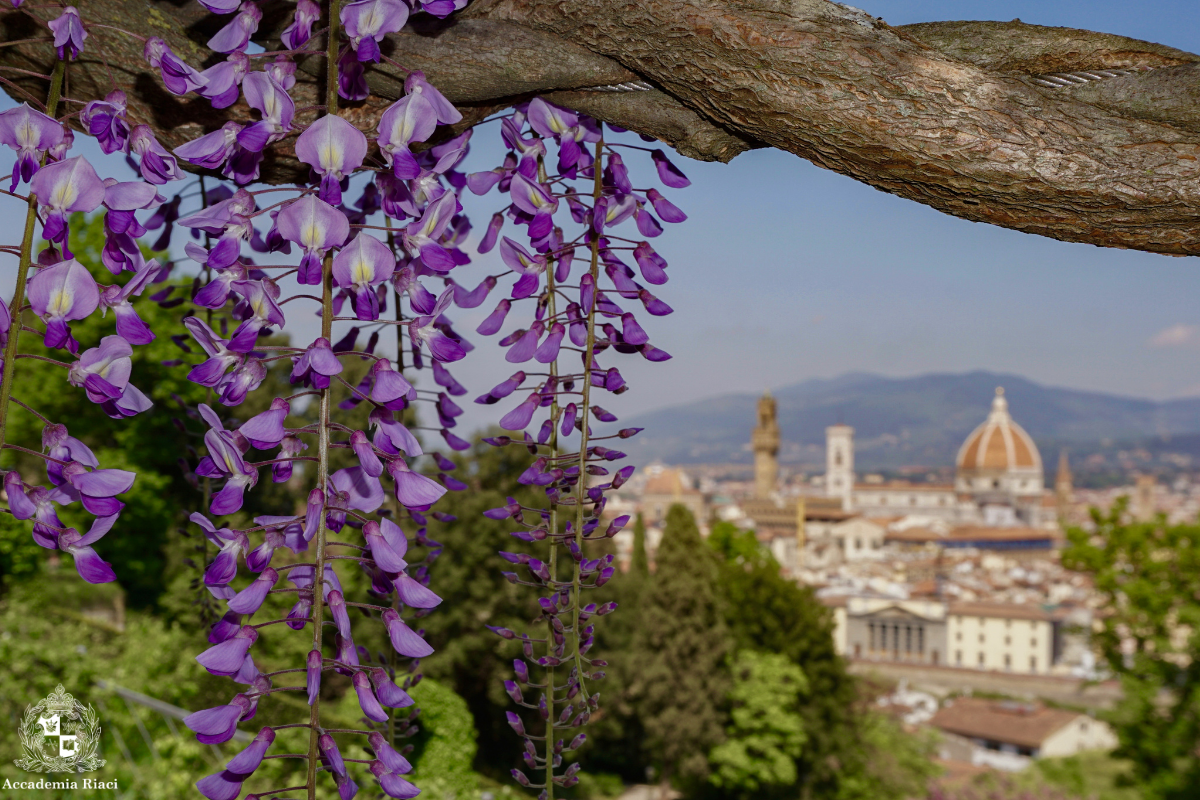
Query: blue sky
[{"x": 786, "y": 272}]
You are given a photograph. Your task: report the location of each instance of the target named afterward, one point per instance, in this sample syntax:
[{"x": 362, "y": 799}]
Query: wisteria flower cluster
[
  {"x": 262, "y": 255},
  {"x": 573, "y": 286}
]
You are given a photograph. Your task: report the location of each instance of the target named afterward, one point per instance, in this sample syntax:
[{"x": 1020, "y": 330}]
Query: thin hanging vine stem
[{"x": 318, "y": 585}]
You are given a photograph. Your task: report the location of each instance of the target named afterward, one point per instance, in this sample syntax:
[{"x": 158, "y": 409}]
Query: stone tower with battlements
[{"x": 765, "y": 441}]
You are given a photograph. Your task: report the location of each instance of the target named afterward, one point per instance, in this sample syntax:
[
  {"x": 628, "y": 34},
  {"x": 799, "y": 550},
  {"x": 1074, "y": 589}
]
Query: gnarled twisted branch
[{"x": 1070, "y": 134}]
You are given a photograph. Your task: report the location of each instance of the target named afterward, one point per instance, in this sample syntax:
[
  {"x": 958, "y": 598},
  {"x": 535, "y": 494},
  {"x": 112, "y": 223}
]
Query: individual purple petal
[
  {"x": 413, "y": 593},
  {"x": 392, "y": 784},
  {"x": 390, "y": 385},
  {"x": 381, "y": 552},
  {"x": 404, "y": 640},
  {"x": 246, "y": 762},
  {"x": 226, "y": 658},
  {"x": 264, "y": 94},
  {"x": 217, "y": 725},
  {"x": 632, "y": 332},
  {"x": 366, "y": 698},
  {"x": 364, "y": 491},
  {"x": 416, "y": 85},
  {"x": 413, "y": 490},
  {"x": 218, "y": 787},
  {"x": 250, "y": 599},
  {"x": 313, "y": 666},
  {"x": 366, "y": 454},
  {"x": 494, "y": 321},
  {"x": 519, "y": 418},
  {"x": 668, "y": 173},
  {"x": 333, "y": 756},
  {"x": 665, "y": 208},
  {"x": 265, "y": 430},
  {"x": 392, "y": 696},
  {"x": 337, "y": 608}
]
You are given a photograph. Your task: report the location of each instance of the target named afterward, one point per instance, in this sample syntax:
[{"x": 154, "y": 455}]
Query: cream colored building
[
  {"x": 1001, "y": 637},
  {"x": 994, "y": 637}
]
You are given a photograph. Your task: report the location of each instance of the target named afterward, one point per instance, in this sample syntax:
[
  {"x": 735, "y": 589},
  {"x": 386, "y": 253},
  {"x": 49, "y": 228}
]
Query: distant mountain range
[{"x": 915, "y": 421}]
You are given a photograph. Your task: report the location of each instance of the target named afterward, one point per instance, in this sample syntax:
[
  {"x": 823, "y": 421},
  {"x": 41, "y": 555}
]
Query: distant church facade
[{"x": 999, "y": 478}]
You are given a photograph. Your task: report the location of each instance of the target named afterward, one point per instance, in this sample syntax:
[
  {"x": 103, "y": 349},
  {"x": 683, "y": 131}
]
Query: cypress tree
[{"x": 680, "y": 650}]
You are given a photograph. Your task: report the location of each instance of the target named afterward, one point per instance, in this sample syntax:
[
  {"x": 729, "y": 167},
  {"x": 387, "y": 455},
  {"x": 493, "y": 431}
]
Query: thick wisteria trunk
[{"x": 954, "y": 115}]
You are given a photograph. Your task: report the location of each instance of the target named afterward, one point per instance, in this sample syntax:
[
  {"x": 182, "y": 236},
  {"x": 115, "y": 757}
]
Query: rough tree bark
[{"x": 967, "y": 117}]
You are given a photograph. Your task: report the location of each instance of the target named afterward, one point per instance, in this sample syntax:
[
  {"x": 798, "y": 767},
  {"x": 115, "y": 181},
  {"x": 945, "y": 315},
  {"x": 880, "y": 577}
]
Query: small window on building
[
  {"x": 858, "y": 543},
  {"x": 912, "y": 500},
  {"x": 883, "y": 637},
  {"x": 908, "y": 638},
  {"x": 958, "y": 658},
  {"x": 1033, "y": 642},
  {"x": 1007, "y": 641},
  {"x": 1033, "y": 663},
  {"x": 981, "y": 638},
  {"x": 870, "y": 635},
  {"x": 958, "y": 636},
  {"x": 1007, "y": 661},
  {"x": 920, "y": 638},
  {"x": 981, "y": 659}
]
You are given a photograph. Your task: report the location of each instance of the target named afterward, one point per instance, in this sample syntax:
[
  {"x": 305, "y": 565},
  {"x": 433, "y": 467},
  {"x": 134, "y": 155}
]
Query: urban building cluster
[{"x": 955, "y": 579}]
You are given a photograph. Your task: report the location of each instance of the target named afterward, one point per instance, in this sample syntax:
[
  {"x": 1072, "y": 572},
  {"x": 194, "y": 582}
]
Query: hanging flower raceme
[{"x": 347, "y": 521}]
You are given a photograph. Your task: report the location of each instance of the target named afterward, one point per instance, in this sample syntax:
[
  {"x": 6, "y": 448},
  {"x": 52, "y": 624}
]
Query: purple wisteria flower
[
  {"x": 130, "y": 326},
  {"x": 316, "y": 226},
  {"x": 297, "y": 34},
  {"x": 361, "y": 266},
  {"x": 63, "y": 188},
  {"x": 69, "y": 34},
  {"x": 157, "y": 165},
  {"x": 420, "y": 237},
  {"x": 212, "y": 149},
  {"x": 410, "y": 119},
  {"x": 366, "y": 22},
  {"x": 333, "y": 148},
  {"x": 30, "y": 133},
  {"x": 217, "y": 725},
  {"x": 236, "y": 34},
  {"x": 260, "y": 312},
  {"x": 88, "y": 563},
  {"x": 227, "y": 784},
  {"x": 179, "y": 77},
  {"x": 424, "y": 331},
  {"x": 225, "y": 460},
  {"x": 222, "y": 81},
  {"x": 60, "y": 294},
  {"x": 265, "y": 95}
]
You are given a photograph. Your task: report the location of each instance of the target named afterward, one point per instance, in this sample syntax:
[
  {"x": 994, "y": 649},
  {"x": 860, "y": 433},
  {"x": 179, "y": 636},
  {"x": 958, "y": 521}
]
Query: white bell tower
[{"x": 839, "y": 463}]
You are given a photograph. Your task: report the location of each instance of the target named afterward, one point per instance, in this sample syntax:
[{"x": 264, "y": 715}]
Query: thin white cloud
[{"x": 1178, "y": 335}]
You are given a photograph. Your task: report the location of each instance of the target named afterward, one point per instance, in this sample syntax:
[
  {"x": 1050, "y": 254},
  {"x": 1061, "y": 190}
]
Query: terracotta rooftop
[
  {"x": 972, "y": 534},
  {"x": 1021, "y": 724},
  {"x": 999, "y": 611}
]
